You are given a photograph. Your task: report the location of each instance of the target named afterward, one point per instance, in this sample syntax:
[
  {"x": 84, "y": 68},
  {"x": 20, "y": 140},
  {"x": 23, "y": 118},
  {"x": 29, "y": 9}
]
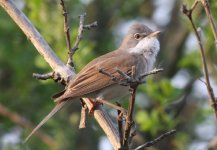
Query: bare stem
[
  {"x": 120, "y": 124},
  {"x": 151, "y": 143},
  {"x": 188, "y": 13},
  {"x": 205, "y": 4},
  {"x": 129, "y": 120},
  {"x": 67, "y": 34}
]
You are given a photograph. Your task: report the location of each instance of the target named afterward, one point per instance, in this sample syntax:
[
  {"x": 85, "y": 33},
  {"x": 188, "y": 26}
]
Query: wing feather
[{"x": 90, "y": 80}]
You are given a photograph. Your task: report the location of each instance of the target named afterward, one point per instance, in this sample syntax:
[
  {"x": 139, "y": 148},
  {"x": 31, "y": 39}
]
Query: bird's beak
[{"x": 154, "y": 34}]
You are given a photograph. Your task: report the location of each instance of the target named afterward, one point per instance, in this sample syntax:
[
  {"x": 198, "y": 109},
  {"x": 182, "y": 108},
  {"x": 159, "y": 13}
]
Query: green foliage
[
  {"x": 161, "y": 91},
  {"x": 154, "y": 122},
  {"x": 192, "y": 62}
]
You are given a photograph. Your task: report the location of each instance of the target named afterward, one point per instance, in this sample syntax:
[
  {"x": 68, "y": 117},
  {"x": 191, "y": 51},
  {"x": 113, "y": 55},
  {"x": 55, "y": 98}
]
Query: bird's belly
[{"x": 111, "y": 92}]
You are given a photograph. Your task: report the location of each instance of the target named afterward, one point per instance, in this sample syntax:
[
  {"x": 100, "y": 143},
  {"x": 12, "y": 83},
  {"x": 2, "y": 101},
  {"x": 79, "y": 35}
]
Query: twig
[
  {"x": 120, "y": 124},
  {"x": 105, "y": 123},
  {"x": 154, "y": 71},
  {"x": 82, "y": 123},
  {"x": 71, "y": 50},
  {"x": 129, "y": 120},
  {"x": 46, "y": 76},
  {"x": 205, "y": 4},
  {"x": 51, "y": 75},
  {"x": 20, "y": 120},
  {"x": 58, "y": 66},
  {"x": 124, "y": 74},
  {"x": 67, "y": 34},
  {"x": 151, "y": 143},
  {"x": 108, "y": 74},
  {"x": 92, "y": 25},
  {"x": 37, "y": 40},
  {"x": 131, "y": 81},
  {"x": 188, "y": 13},
  {"x": 112, "y": 105}
]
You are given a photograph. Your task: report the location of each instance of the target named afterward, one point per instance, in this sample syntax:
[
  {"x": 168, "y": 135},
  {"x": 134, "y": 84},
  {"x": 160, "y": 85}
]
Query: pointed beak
[{"x": 154, "y": 34}]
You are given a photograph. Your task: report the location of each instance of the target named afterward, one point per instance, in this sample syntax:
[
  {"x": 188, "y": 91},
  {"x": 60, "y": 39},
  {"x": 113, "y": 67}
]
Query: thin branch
[
  {"x": 188, "y": 13},
  {"x": 154, "y": 71},
  {"x": 129, "y": 120},
  {"x": 158, "y": 139},
  {"x": 37, "y": 40},
  {"x": 20, "y": 120},
  {"x": 67, "y": 34},
  {"x": 71, "y": 50},
  {"x": 112, "y": 105},
  {"x": 108, "y": 74},
  {"x": 205, "y": 4},
  {"x": 79, "y": 37},
  {"x": 58, "y": 66},
  {"x": 92, "y": 25},
  {"x": 46, "y": 76},
  {"x": 131, "y": 81},
  {"x": 105, "y": 123},
  {"x": 82, "y": 123},
  {"x": 120, "y": 124}
]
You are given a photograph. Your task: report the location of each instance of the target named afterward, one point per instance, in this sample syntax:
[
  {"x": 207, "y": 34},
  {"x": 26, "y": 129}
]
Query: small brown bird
[{"x": 139, "y": 48}]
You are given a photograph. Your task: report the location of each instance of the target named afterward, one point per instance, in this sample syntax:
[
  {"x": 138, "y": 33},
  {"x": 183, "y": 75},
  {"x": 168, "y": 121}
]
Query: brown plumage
[
  {"x": 90, "y": 80},
  {"x": 139, "y": 48}
]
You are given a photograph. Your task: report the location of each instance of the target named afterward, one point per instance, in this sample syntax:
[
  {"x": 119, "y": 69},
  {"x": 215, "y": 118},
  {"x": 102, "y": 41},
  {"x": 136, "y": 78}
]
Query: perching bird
[{"x": 139, "y": 48}]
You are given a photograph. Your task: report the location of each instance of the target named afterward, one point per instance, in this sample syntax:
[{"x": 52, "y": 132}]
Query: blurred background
[{"x": 173, "y": 99}]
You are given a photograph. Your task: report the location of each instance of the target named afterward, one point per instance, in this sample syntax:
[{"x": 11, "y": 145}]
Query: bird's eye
[{"x": 137, "y": 36}]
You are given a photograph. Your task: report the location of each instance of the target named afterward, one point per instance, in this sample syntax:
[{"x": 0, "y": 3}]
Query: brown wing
[
  {"x": 96, "y": 60},
  {"x": 90, "y": 80}
]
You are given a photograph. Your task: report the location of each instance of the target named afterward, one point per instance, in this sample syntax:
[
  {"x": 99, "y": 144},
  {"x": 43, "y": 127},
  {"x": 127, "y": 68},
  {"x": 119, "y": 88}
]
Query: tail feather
[{"x": 53, "y": 111}]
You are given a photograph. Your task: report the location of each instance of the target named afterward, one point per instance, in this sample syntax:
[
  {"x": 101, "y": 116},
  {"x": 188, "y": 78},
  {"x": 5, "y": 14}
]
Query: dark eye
[{"x": 137, "y": 36}]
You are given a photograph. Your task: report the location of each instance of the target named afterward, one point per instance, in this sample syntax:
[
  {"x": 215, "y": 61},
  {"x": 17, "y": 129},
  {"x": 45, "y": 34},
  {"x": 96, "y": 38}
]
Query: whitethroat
[{"x": 139, "y": 48}]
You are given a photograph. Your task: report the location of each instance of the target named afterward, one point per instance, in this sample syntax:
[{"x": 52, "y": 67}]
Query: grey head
[{"x": 135, "y": 33}]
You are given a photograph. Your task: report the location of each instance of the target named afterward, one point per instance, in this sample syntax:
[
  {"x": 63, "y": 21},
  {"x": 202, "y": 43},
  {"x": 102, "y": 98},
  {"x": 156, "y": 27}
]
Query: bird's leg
[
  {"x": 102, "y": 101},
  {"x": 94, "y": 105}
]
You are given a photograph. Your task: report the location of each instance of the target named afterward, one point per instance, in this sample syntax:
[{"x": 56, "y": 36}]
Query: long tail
[{"x": 53, "y": 111}]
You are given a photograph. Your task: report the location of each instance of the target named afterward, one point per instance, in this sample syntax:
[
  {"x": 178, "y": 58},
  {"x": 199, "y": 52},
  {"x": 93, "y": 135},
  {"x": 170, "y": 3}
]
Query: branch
[
  {"x": 58, "y": 66},
  {"x": 133, "y": 82},
  {"x": 205, "y": 4},
  {"x": 71, "y": 50},
  {"x": 20, "y": 120},
  {"x": 37, "y": 40},
  {"x": 188, "y": 13},
  {"x": 151, "y": 143},
  {"x": 129, "y": 120}
]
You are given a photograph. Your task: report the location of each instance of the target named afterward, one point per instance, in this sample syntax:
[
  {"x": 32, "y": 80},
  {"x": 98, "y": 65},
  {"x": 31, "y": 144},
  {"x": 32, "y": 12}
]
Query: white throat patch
[
  {"x": 149, "y": 48},
  {"x": 147, "y": 45}
]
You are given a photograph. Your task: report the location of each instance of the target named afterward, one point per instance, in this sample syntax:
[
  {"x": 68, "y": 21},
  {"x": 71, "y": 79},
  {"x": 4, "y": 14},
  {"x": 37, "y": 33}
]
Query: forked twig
[
  {"x": 71, "y": 50},
  {"x": 188, "y": 13}
]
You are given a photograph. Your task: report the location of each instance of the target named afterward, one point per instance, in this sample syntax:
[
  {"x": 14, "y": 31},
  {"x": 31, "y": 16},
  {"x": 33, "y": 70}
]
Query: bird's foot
[{"x": 94, "y": 105}]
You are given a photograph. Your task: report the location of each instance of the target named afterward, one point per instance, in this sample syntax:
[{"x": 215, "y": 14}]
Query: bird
[{"x": 139, "y": 48}]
